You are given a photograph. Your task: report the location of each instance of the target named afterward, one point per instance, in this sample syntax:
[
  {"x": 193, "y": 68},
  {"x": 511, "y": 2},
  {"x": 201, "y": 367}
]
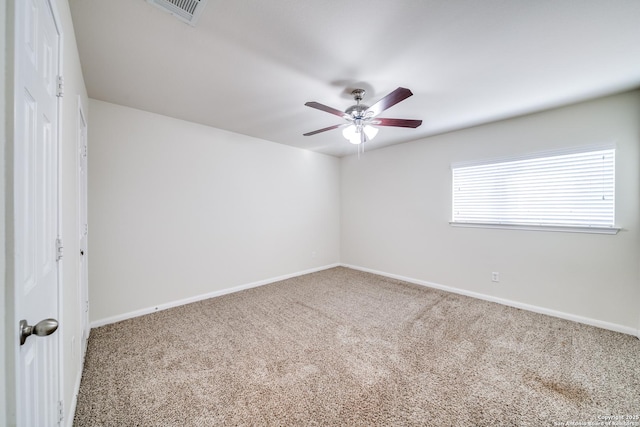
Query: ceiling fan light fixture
[
  {"x": 370, "y": 131},
  {"x": 357, "y": 134},
  {"x": 351, "y": 134},
  {"x": 360, "y": 116}
]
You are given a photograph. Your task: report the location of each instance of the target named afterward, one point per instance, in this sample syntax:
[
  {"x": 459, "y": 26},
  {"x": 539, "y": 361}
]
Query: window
[{"x": 572, "y": 192}]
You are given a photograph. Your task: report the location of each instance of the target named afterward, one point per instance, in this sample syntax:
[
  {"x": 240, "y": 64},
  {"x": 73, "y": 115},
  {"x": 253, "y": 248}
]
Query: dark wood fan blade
[
  {"x": 402, "y": 123},
  {"x": 390, "y": 100},
  {"x": 323, "y": 107},
  {"x": 322, "y": 130}
]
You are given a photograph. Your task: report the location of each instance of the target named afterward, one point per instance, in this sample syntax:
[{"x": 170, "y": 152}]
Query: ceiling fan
[{"x": 361, "y": 118}]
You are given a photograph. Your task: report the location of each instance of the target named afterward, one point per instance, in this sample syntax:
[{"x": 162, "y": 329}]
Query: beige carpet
[{"x": 347, "y": 348}]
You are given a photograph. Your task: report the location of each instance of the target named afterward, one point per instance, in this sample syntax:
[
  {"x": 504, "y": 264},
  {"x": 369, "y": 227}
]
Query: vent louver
[{"x": 185, "y": 10}]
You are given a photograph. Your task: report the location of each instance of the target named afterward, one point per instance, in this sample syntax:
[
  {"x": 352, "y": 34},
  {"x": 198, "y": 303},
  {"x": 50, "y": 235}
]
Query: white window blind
[{"x": 569, "y": 190}]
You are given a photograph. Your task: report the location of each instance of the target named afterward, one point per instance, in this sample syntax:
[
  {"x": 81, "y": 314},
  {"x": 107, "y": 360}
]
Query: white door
[
  {"x": 83, "y": 283},
  {"x": 36, "y": 212}
]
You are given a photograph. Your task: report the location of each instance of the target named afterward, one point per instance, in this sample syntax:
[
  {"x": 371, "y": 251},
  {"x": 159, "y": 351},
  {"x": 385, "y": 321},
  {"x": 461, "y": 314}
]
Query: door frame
[
  {"x": 13, "y": 387},
  {"x": 83, "y": 199},
  {"x": 53, "y": 5}
]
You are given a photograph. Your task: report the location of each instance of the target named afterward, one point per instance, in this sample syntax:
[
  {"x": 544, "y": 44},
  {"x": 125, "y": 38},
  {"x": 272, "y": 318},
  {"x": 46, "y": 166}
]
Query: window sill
[{"x": 562, "y": 229}]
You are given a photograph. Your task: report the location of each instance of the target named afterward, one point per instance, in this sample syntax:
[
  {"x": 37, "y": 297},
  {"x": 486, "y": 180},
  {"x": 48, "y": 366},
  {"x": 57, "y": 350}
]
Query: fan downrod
[
  {"x": 358, "y": 94},
  {"x": 357, "y": 111}
]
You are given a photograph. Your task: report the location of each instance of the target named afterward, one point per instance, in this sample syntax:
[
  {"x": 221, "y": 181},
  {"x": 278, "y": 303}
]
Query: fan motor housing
[{"x": 357, "y": 111}]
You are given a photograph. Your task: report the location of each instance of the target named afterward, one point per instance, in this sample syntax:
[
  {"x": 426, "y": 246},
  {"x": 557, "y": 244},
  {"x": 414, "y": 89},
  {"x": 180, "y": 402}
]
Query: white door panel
[{"x": 36, "y": 209}]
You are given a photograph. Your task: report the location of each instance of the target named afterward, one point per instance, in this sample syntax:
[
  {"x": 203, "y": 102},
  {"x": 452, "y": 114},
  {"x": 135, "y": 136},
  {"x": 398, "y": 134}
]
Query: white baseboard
[
  {"x": 148, "y": 310},
  {"x": 536, "y": 309}
]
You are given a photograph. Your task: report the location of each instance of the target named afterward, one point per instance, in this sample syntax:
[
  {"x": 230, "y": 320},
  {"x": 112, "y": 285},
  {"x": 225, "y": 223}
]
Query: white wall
[
  {"x": 396, "y": 204},
  {"x": 178, "y": 210}
]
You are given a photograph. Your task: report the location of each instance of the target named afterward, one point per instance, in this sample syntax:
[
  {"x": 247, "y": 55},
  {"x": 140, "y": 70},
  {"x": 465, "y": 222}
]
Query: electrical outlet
[
  {"x": 495, "y": 277},
  {"x": 313, "y": 254}
]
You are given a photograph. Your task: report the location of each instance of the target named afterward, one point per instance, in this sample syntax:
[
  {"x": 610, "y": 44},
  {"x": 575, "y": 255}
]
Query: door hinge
[
  {"x": 59, "y": 249},
  {"x": 60, "y": 411},
  {"x": 60, "y": 87}
]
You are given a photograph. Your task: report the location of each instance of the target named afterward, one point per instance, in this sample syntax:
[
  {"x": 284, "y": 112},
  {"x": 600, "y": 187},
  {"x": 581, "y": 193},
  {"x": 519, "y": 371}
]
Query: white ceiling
[{"x": 249, "y": 66}]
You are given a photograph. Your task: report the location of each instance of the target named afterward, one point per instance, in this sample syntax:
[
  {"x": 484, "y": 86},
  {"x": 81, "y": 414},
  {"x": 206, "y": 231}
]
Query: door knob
[{"x": 42, "y": 329}]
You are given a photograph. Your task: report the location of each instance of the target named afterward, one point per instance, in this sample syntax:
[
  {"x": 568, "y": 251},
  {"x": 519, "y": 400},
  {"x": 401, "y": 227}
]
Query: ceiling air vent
[{"x": 185, "y": 10}]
